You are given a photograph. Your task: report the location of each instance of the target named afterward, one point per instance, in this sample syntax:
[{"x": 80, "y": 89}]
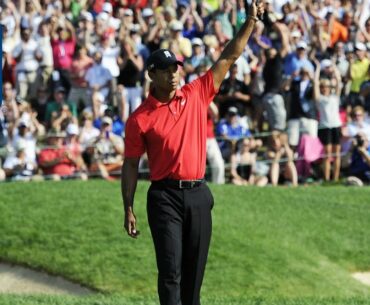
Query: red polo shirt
[{"x": 173, "y": 134}]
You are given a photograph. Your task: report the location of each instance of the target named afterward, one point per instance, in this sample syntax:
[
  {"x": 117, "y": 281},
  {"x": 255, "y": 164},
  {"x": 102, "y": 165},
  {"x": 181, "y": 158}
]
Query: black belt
[{"x": 180, "y": 184}]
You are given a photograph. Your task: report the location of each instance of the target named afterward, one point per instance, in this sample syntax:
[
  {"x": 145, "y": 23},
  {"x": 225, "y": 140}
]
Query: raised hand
[{"x": 256, "y": 9}]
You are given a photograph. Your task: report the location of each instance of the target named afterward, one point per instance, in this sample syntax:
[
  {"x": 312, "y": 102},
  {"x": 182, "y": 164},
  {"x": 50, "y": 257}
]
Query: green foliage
[{"x": 292, "y": 245}]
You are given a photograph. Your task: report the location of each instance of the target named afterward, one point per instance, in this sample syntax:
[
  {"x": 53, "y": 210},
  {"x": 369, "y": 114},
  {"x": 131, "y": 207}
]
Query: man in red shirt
[
  {"x": 57, "y": 161},
  {"x": 171, "y": 126}
]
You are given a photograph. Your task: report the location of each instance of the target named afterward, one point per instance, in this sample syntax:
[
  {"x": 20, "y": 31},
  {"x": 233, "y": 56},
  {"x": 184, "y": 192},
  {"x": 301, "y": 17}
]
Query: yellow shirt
[
  {"x": 359, "y": 74},
  {"x": 212, "y": 5}
]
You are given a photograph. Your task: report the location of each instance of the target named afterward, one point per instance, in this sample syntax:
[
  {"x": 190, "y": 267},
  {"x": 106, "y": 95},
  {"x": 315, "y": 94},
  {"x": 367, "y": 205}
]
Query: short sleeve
[
  {"x": 134, "y": 140},
  {"x": 221, "y": 129},
  {"x": 205, "y": 86}
]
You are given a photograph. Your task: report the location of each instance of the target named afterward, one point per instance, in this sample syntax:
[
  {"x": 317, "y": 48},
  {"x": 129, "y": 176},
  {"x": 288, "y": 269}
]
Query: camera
[{"x": 359, "y": 141}]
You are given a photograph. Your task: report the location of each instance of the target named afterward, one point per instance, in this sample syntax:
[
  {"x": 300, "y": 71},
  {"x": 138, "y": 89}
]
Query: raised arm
[
  {"x": 284, "y": 34},
  {"x": 130, "y": 170},
  {"x": 235, "y": 47},
  {"x": 70, "y": 28},
  {"x": 338, "y": 79},
  {"x": 316, "y": 81}
]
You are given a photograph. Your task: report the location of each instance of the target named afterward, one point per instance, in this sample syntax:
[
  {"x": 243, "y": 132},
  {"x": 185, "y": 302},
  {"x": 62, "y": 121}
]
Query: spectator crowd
[{"x": 294, "y": 107}]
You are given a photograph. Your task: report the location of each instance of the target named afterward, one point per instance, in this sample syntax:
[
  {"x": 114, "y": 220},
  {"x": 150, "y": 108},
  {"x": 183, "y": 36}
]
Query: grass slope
[{"x": 282, "y": 243}]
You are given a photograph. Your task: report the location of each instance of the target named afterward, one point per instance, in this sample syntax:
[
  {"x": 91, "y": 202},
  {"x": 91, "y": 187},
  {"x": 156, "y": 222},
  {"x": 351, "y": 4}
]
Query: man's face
[
  {"x": 7, "y": 91},
  {"x": 232, "y": 118},
  {"x": 59, "y": 96},
  {"x": 98, "y": 58},
  {"x": 325, "y": 87},
  {"x": 339, "y": 48},
  {"x": 197, "y": 49},
  {"x": 167, "y": 79},
  {"x": 271, "y": 53},
  {"x": 106, "y": 127},
  {"x": 25, "y": 34},
  {"x": 55, "y": 141},
  {"x": 360, "y": 54},
  {"x": 301, "y": 52},
  {"x": 358, "y": 116},
  {"x": 175, "y": 33},
  {"x": 22, "y": 130}
]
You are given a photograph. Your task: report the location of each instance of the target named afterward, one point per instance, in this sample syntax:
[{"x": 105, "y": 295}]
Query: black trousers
[{"x": 181, "y": 225}]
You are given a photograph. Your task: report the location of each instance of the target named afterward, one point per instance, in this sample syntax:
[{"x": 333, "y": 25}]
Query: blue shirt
[
  {"x": 358, "y": 165},
  {"x": 118, "y": 127},
  {"x": 224, "y": 128},
  {"x": 293, "y": 63}
]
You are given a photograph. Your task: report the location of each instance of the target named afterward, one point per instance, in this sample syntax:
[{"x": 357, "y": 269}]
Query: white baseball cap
[
  {"x": 360, "y": 46},
  {"x": 147, "y": 12},
  {"x": 176, "y": 25},
  {"x": 325, "y": 63},
  {"x": 232, "y": 110},
  {"x": 72, "y": 129},
  {"x": 128, "y": 12},
  {"x": 87, "y": 16},
  {"x": 302, "y": 45},
  {"x": 107, "y": 7},
  {"x": 106, "y": 120},
  {"x": 296, "y": 34},
  {"x": 197, "y": 41}
]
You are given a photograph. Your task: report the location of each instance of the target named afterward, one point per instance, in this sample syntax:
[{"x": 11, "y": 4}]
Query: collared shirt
[
  {"x": 64, "y": 167},
  {"x": 97, "y": 75},
  {"x": 359, "y": 74},
  {"x": 173, "y": 134}
]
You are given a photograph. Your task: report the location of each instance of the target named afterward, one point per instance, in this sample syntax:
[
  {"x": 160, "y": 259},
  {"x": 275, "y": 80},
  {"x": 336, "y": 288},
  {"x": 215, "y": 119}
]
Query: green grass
[
  {"x": 121, "y": 300},
  {"x": 274, "y": 245}
]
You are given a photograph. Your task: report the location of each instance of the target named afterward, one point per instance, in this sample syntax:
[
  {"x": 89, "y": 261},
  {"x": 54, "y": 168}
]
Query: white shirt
[
  {"x": 109, "y": 60},
  {"x": 44, "y": 46},
  {"x": 29, "y": 142},
  {"x": 88, "y": 136},
  {"x": 354, "y": 128},
  {"x": 28, "y": 61},
  {"x": 10, "y": 23},
  {"x": 329, "y": 111}
]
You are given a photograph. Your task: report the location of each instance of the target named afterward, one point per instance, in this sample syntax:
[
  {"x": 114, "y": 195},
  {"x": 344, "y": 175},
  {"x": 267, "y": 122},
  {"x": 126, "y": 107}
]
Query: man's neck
[{"x": 163, "y": 96}]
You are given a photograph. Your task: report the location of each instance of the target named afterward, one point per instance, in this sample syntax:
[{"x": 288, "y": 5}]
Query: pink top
[{"x": 63, "y": 53}]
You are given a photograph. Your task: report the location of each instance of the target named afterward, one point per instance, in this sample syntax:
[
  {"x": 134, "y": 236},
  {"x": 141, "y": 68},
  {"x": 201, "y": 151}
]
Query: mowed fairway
[{"x": 269, "y": 246}]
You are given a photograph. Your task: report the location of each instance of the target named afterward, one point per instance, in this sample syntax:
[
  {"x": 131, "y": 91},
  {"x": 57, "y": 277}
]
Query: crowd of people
[{"x": 294, "y": 107}]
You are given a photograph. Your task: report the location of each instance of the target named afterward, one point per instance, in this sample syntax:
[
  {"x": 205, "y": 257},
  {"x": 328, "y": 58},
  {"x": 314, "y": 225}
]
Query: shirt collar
[{"x": 156, "y": 103}]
